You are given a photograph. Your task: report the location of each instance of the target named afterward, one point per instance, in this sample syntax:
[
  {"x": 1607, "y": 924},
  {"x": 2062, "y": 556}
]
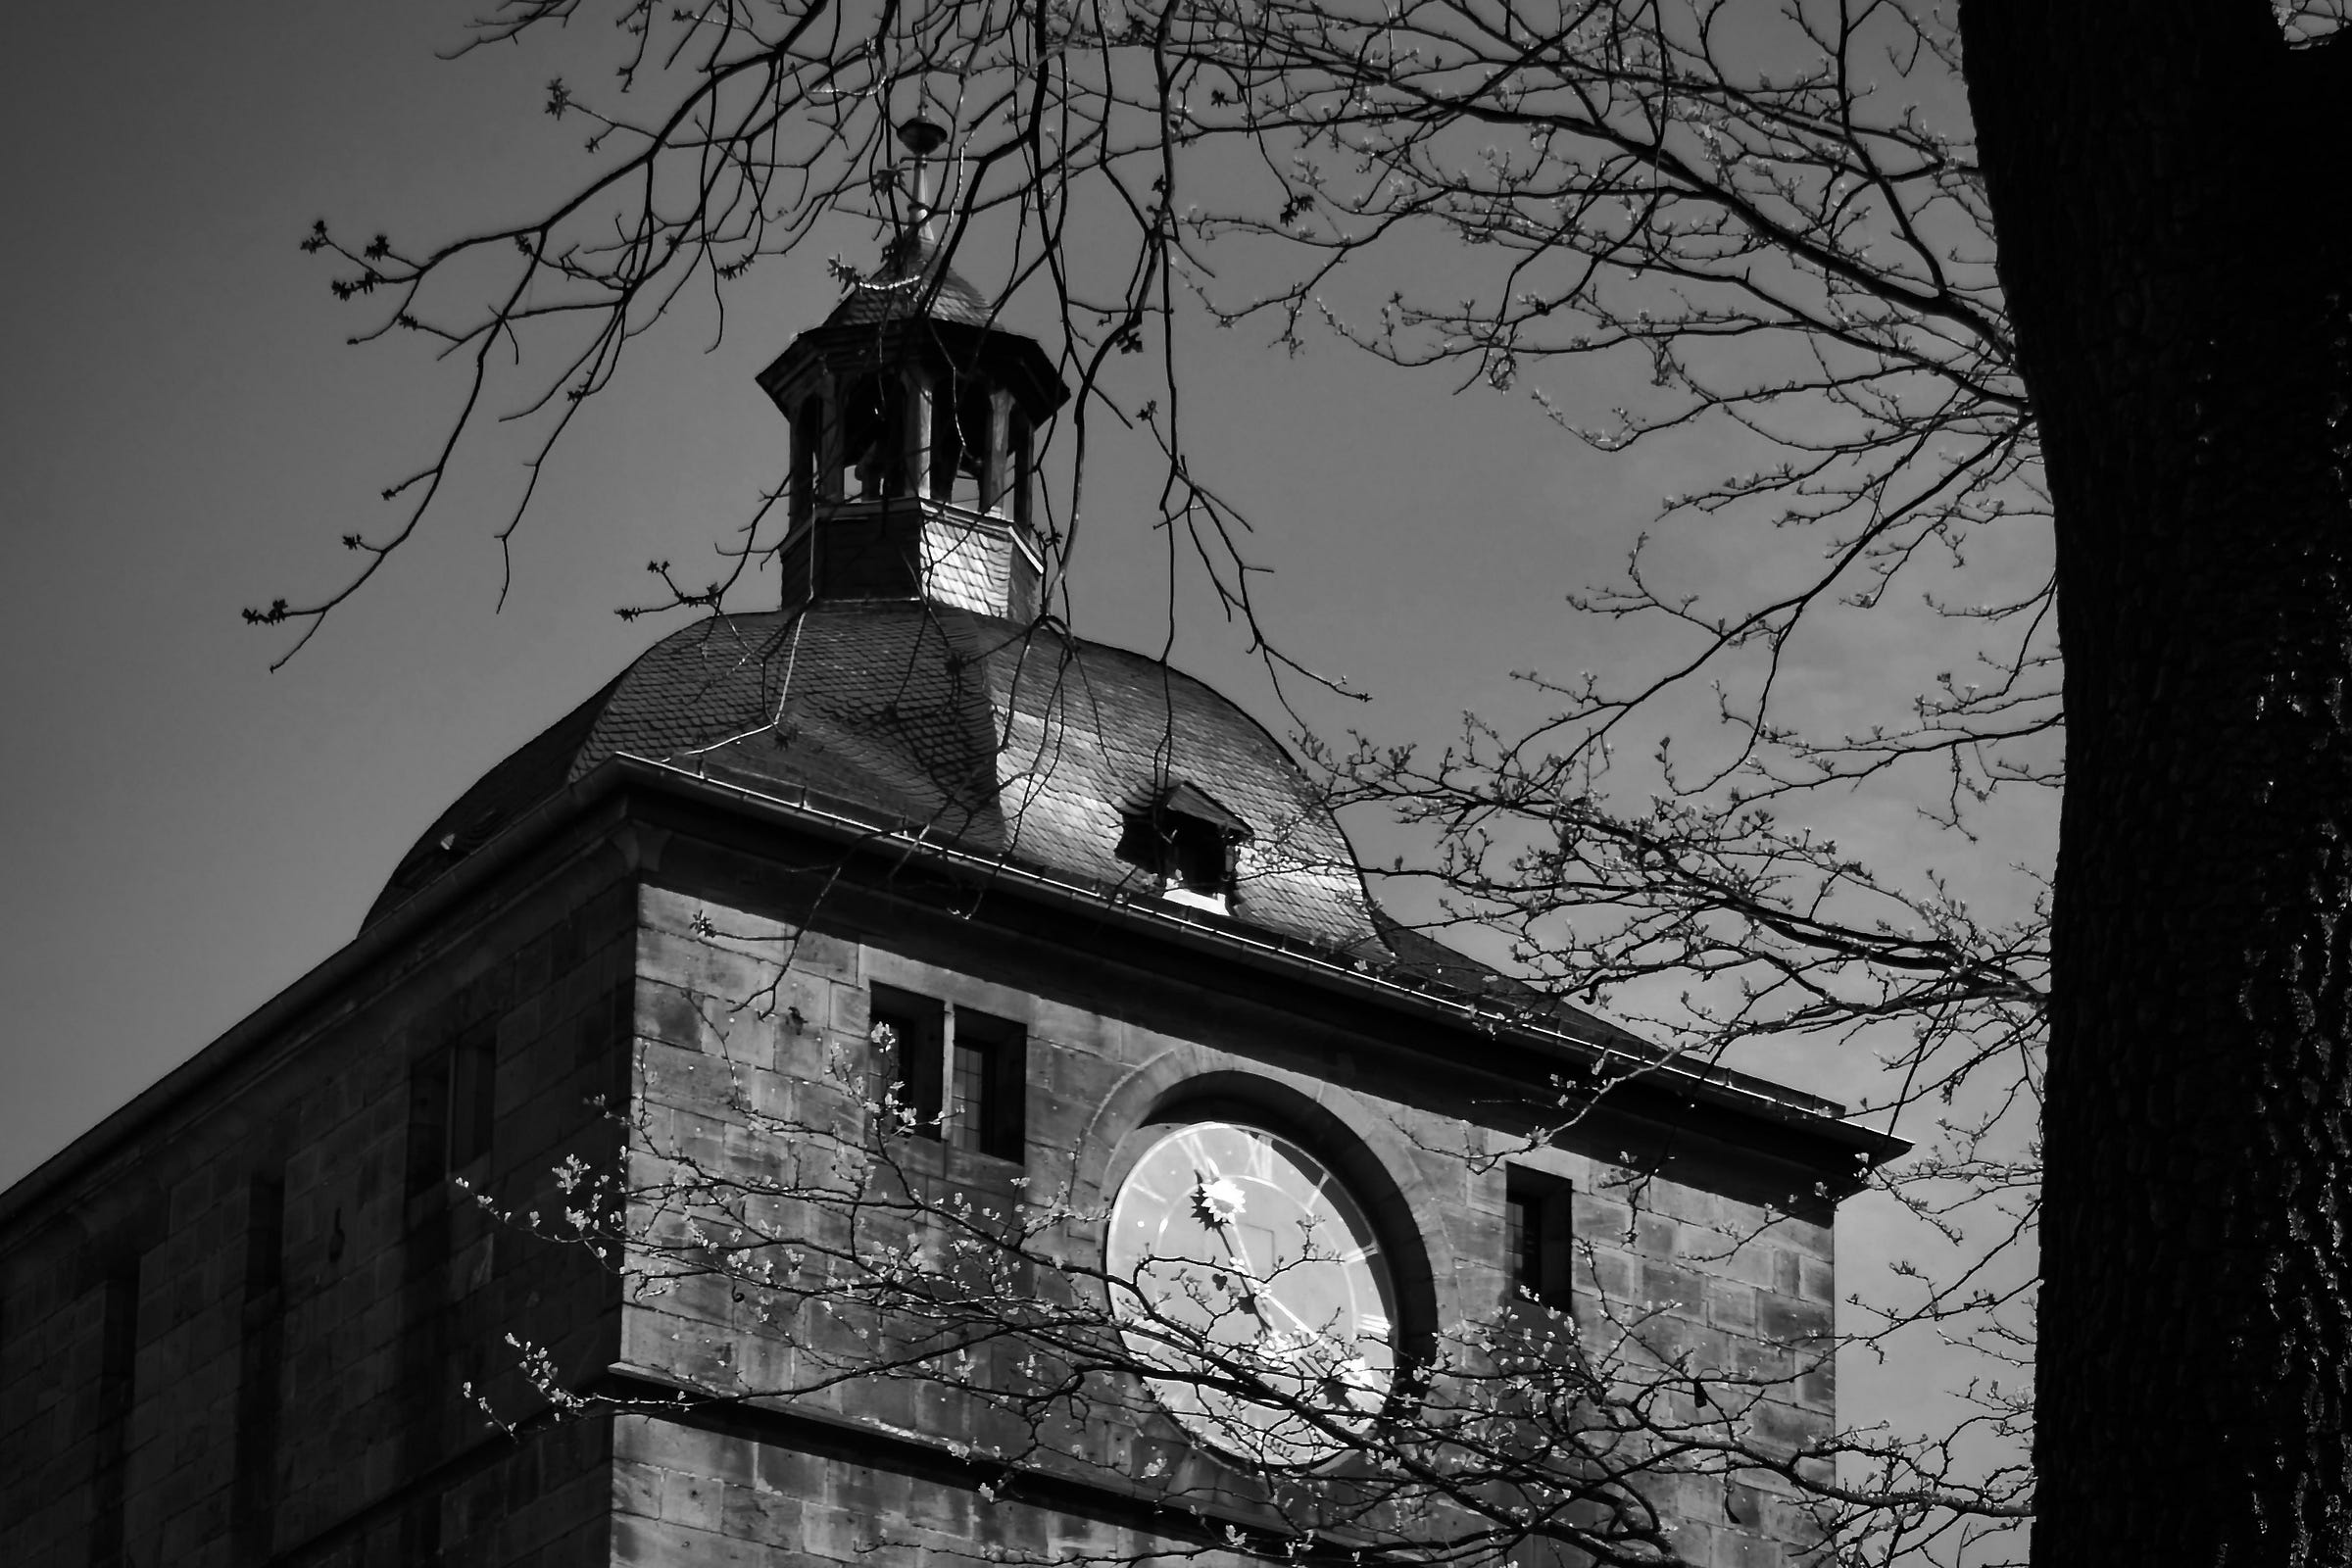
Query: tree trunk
[{"x": 2166, "y": 186}]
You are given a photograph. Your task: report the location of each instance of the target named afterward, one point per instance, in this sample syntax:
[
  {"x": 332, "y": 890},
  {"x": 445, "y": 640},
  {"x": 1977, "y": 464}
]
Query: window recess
[
  {"x": 908, "y": 1032},
  {"x": 988, "y": 1084},
  {"x": 956, "y": 1074},
  {"x": 1539, "y": 1243},
  {"x": 453, "y": 1100}
]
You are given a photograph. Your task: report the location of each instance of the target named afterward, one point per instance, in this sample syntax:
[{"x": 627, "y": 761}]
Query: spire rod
[{"x": 922, "y": 136}]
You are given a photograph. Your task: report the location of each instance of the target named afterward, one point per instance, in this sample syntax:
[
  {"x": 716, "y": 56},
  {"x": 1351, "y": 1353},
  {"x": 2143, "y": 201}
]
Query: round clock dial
[{"x": 1234, "y": 1256}]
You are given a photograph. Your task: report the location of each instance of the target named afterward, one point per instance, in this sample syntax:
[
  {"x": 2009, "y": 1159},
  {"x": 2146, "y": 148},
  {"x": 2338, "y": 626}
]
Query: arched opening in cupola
[
  {"x": 808, "y": 455},
  {"x": 964, "y": 440},
  {"x": 874, "y": 419}
]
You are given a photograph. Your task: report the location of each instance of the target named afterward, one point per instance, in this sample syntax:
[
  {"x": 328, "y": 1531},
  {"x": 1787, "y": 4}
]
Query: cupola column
[
  {"x": 915, "y": 431},
  {"x": 995, "y": 485}
]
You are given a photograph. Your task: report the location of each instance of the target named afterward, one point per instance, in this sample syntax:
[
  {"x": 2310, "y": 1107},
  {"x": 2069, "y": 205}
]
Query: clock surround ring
[{"x": 1361, "y": 1148}]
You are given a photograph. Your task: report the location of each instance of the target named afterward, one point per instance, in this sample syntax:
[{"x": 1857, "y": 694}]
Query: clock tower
[{"x": 885, "y": 1080}]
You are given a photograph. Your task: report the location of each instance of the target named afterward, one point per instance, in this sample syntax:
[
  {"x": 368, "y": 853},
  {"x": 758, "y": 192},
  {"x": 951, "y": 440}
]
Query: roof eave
[{"x": 1616, "y": 1053}]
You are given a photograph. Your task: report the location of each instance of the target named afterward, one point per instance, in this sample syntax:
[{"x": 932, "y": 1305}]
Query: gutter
[{"x": 1736, "y": 1091}]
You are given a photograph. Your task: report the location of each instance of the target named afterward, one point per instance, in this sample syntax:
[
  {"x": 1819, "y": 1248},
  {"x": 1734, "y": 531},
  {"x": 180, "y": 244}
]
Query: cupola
[{"x": 914, "y": 421}]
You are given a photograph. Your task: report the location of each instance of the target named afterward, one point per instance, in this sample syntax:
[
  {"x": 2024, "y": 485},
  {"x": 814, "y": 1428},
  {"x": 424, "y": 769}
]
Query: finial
[{"x": 923, "y": 137}]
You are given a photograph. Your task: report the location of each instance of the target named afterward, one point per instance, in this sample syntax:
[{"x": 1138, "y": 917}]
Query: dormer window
[{"x": 1188, "y": 843}]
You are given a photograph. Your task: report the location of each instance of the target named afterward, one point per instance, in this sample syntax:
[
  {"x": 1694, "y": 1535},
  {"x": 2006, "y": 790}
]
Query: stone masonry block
[
  {"x": 687, "y": 1450},
  {"x": 1756, "y": 1261},
  {"x": 836, "y": 1535},
  {"x": 1689, "y": 1204},
  {"x": 1792, "y": 1322},
  {"x": 1671, "y": 1288},
  {"x": 1683, "y": 1342},
  {"x": 1809, "y": 1237},
  {"x": 659, "y": 1543},
  {"x": 1732, "y": 1304},
  {"x": 733, "y": 980},
  {"x": 1607, "y": 1273},
  {"x": 671, "y": 1015},
  {"x": 1785, "y": 1425},
  {"x": 1599, "y": 1217},
  {"x": 681, "y": 1079},
  {"x": 749, "y": 1513},
  {"x": 1742, "y": 1549},
  {"x": 637, "y": 1488},
  {"x": 696, "y": 1501},
  {"x": 851, "y": 1014}
]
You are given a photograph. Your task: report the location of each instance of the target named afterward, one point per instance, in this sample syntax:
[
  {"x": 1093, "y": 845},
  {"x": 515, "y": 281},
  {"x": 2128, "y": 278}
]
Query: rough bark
[{"x": 2167, "y": 188}]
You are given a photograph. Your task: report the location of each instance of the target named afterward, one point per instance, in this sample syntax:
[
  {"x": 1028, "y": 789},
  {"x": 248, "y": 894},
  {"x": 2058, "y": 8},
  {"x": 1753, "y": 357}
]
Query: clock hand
[
  {"x": 1259, "y": 1294},
  {"x": 1218, "y": 1203}
]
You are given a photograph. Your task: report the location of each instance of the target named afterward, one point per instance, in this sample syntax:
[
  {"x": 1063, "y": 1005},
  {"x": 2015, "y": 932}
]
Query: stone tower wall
[
  {"x": 242, "y": 1338},
  {"x": 745, "y": 1020}
]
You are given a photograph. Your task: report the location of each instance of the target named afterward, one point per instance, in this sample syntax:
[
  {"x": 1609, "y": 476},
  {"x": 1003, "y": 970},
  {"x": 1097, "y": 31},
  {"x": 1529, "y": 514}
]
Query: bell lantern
[{"x": 913, "y": 419}]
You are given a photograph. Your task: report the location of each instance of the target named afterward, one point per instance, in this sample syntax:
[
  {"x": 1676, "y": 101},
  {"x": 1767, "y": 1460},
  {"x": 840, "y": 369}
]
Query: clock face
[{"x": 1237, "y": 1258}]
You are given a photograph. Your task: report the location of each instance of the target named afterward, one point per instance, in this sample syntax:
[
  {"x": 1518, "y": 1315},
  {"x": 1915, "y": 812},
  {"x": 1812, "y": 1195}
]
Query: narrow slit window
[
  {"x": 453, "y": 1105},
  {"x": 987, "y": 1085},
  {"x": 472, "y": 1094},
  {"x": 428, "y": 1120},
  {"x": 967, "y": 1095},
  {"x": 908, "y": 1032},
  {"x": 1539, "y": 1243}
]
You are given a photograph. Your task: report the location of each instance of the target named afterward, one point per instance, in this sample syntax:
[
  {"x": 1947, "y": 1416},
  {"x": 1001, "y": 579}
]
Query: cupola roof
[{"x": 914, "y": 280}]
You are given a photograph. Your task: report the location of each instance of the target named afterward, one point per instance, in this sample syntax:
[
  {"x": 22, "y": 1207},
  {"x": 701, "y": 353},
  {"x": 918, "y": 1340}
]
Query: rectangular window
[
  {"x": 955, "y": 1074},
  {"x": 261, "y": 1353},
  {"x": 908, "y": 1034},
  {"x": 265, "y": 1236},
  {"x": 118, "y": 1392},
  {"x": 472, "y": 1094},
  {"x": 967, "y": 1096},
  {"x": 989, "y": 1085},
  {"x": 452, "y": 1106},
  {"x": 1538, "y": 1242},
  {"x": 428, "y": 1120}
]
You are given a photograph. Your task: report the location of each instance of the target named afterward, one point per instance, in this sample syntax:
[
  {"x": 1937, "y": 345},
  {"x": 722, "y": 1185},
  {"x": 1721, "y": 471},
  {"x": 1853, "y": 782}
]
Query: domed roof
[
  {"x": 1020, "y": 745},
  {"x": 1002, "y": 740}
]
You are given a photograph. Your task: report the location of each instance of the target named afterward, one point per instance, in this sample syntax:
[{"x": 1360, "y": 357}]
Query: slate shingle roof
[
  {"x": 913, "y": 279},
  {"x": 1002, "y": 740}
]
